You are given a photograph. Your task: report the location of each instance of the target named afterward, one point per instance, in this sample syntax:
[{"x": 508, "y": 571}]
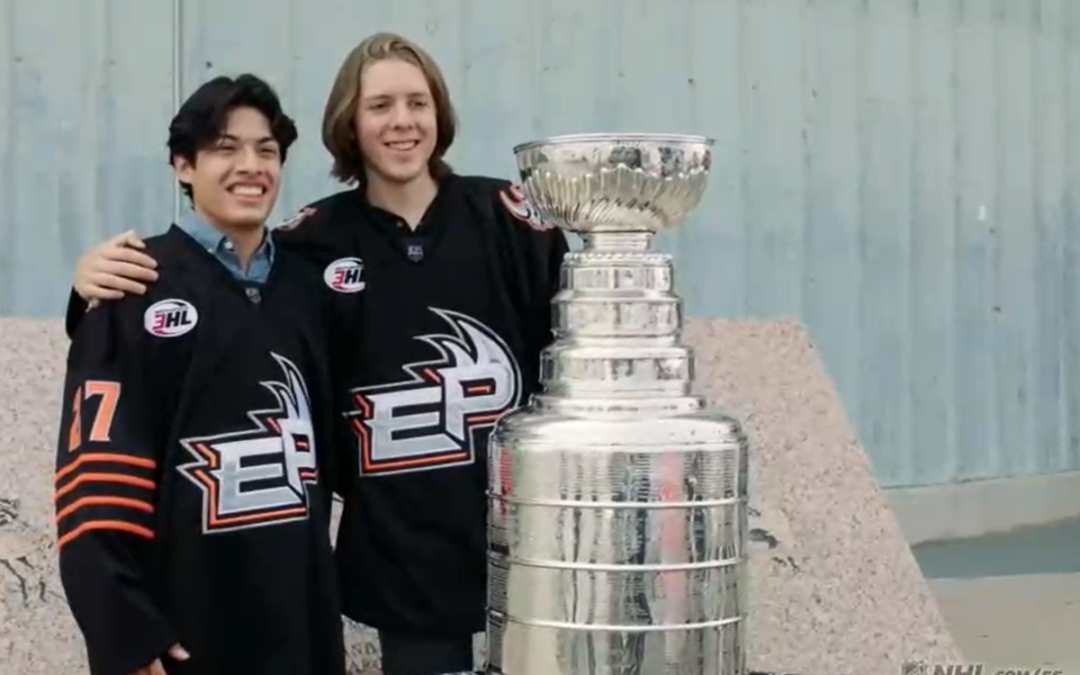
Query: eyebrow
[
  {"x": 233, "y": 137},
  {"x": 410, "y": 94}
]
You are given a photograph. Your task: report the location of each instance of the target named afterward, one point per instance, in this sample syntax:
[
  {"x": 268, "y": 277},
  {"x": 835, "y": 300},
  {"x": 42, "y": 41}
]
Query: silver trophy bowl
[
  {"x": 617, "y": 501},
  {"x": 615, "y": 182}
]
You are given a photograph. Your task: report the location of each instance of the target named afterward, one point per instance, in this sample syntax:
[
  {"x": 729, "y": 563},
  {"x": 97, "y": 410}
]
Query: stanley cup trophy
[{"x": 617, "y": 509}]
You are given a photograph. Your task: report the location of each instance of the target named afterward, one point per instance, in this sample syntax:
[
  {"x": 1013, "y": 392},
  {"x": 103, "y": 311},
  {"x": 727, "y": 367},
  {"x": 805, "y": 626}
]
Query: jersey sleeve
[
  {"x": 105, "y": 495},
  {"x": 308, "y": 234},
  {"x": 344, "y": 326},
  {"x": 555, "y": 250},
  {"x": 76, "y": 308},
  {"x": 533, "y": 255},
  {"x": 548, "y": 248},
  {"x": 542, "y": 246}
]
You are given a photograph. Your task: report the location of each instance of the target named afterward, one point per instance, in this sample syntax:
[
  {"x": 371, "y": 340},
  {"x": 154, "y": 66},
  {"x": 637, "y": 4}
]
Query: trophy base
[
  {"x": 615, "y": 540},
  {"x": 553, "y": 650}
]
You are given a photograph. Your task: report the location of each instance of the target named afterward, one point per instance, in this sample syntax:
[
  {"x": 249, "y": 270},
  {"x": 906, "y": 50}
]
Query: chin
[{"x": 405, "y": 174}]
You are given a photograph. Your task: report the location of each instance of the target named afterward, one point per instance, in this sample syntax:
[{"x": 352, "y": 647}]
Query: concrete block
[{"x": 834, "y": 587}]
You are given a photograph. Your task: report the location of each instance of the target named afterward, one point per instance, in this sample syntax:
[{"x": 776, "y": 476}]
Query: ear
[{"x": 184, "y": 169}]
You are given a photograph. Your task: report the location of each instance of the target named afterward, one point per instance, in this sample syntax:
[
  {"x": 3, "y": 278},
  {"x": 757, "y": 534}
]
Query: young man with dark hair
[{"x": 196, "y": 437}]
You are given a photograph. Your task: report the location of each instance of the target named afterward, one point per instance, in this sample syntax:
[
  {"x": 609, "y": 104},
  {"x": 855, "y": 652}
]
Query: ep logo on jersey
[
  {"x": 259, "y": 476},
  {"x": 170, "y": 318},
  {"x": 443, "y": 408},
  {"x": 345, "y": 275}
]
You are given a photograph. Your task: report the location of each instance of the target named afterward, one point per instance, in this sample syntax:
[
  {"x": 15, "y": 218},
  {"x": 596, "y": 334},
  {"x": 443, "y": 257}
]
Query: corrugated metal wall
[{"x": 901, "y": 174}]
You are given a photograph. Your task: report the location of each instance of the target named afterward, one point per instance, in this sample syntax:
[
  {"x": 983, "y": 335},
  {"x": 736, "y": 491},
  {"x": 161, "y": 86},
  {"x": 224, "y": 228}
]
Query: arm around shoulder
[{"x": 108, "y": 271}]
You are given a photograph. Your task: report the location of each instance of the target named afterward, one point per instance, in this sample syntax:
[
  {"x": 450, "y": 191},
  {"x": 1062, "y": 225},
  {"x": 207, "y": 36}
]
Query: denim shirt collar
[{"x": 218, "y": 245}]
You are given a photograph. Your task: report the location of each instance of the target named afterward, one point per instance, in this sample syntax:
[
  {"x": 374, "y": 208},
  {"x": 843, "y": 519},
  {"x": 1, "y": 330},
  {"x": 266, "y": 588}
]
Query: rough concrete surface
[{"x": 834, "y": 587}]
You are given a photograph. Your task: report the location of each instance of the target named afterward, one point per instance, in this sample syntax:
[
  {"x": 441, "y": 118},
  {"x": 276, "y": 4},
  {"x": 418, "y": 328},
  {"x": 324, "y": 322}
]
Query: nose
[
  {"x": 402, "y": 116},
  {"x": 249, "y": 161}
]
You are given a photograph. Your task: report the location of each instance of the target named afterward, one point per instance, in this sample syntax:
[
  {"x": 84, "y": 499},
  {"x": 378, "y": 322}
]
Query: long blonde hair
[{"x": 338, "y": 132}]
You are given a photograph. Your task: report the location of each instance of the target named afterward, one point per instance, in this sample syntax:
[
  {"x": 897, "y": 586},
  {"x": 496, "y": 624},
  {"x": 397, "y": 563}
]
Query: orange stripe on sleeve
[
  {"x": 104, "y": 478},
  {"x": 117, "y": 525},
  {"x": 105, "y": 457},
  {"x": 138, "y": 504}
]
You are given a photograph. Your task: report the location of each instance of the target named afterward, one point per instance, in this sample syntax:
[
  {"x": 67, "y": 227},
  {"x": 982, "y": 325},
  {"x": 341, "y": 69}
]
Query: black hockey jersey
[
  {"x": 192, "y": 468},
  {"x": 453, "y": 317}
]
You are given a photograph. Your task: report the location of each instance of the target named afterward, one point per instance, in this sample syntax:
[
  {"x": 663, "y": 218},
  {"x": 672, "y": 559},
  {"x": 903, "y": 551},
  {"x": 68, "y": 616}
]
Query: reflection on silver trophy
[{"x": 617, "y": 509}]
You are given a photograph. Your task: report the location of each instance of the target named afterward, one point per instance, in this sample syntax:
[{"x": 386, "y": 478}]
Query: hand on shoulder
[{"x": 113, "y": 268}]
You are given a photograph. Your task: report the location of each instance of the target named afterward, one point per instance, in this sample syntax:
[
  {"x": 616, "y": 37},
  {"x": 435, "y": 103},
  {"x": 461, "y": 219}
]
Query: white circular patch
[
  {"x": 345, "y": 275},
  {"x": 170, "y": 318}
]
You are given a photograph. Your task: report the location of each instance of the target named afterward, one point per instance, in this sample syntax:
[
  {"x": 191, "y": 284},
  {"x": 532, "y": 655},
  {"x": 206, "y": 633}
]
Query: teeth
[
  {"x": 248, "y": 190},
  {"x": 403, "y": 145}
]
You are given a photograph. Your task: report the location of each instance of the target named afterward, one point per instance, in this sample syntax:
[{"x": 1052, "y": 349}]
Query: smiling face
[
  {"x": 395, "y": 121},
  {"x": 235, "y": 180}
]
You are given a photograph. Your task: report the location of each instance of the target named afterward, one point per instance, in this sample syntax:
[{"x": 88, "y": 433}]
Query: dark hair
[{"x": 201, "y": 120}]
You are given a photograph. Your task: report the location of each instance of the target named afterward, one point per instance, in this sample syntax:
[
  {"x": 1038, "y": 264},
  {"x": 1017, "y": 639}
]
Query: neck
[
  {"x": 409, "y": 200},
  {"x": 246, "y": 242},
  {"x": 245, "y": 238}
]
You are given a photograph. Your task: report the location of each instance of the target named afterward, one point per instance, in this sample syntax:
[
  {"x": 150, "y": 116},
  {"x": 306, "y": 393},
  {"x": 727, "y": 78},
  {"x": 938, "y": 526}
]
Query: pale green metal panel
[
  {"x": 902, "y": 175},
  {"x": 85, "y": 92}
]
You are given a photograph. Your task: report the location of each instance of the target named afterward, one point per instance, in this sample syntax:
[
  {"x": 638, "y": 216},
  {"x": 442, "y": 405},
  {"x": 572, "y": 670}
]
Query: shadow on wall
[{"x": 1044, "y": 549}]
